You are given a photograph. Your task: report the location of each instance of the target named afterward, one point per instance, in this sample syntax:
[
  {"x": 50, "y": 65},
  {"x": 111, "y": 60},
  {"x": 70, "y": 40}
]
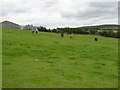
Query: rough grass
[
  {"x": 0, "y": 58},
  {"x": 45, "y": 60}
]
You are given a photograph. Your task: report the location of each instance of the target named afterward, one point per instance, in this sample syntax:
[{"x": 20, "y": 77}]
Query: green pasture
[{"x": 45, "y": 60}]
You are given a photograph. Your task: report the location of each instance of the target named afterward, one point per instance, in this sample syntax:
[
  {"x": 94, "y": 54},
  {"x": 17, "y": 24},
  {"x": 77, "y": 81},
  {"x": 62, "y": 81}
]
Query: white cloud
[{"x": 59, "y": 13}]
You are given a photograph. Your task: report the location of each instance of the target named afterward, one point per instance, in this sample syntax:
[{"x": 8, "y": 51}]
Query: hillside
[
  {"x": 45, "y": 60},
  {"x": 104, "y": 26}
]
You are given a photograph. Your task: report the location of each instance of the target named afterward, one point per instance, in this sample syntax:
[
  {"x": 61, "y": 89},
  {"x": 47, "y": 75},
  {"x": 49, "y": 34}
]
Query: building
[{"x": 8, "y": 24}]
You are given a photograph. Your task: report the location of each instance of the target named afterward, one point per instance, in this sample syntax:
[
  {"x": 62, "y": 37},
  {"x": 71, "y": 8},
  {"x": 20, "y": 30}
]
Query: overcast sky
[{"x": 59, "y": 13}]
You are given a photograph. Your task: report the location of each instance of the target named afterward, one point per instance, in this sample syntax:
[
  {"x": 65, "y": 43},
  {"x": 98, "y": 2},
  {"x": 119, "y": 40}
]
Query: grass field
[
  {"x": 45, "y": 60},
  {"x": 0, "y": 58}
]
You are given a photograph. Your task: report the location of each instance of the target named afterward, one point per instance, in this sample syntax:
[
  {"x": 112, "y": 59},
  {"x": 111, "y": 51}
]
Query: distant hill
[{"x": 105, "y": 26}]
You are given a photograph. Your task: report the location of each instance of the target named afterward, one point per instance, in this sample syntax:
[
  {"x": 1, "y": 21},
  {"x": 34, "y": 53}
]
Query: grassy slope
[
  {"x": 0, "y": 58},
  {"x": 47, "y": 60}
]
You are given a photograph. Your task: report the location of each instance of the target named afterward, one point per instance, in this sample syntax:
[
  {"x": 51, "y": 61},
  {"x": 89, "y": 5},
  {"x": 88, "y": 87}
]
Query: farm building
[{"x": 8, "y": 24}]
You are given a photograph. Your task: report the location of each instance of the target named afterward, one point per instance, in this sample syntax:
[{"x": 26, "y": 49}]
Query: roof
[{"x": 9, "y": 22}]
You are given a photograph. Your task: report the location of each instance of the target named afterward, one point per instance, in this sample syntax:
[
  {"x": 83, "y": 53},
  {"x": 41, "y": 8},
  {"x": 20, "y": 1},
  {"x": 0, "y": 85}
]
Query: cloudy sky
[{"x": 59, "y": 13}]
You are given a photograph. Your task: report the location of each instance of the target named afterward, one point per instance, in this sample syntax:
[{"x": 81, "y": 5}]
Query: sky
[{"x": 59, "y": 13}]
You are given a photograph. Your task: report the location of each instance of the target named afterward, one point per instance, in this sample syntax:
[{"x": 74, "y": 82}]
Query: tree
[{"x": 43, "y": 29}]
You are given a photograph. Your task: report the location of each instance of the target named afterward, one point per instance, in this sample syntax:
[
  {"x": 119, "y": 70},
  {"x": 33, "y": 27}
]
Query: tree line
[{"x": 115, "y": 33}]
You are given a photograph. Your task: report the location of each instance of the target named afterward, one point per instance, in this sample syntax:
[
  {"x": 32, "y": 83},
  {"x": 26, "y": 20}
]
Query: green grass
[
  {"x": 45, "y": 60},
  {"x": 0, "y": 58}
]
